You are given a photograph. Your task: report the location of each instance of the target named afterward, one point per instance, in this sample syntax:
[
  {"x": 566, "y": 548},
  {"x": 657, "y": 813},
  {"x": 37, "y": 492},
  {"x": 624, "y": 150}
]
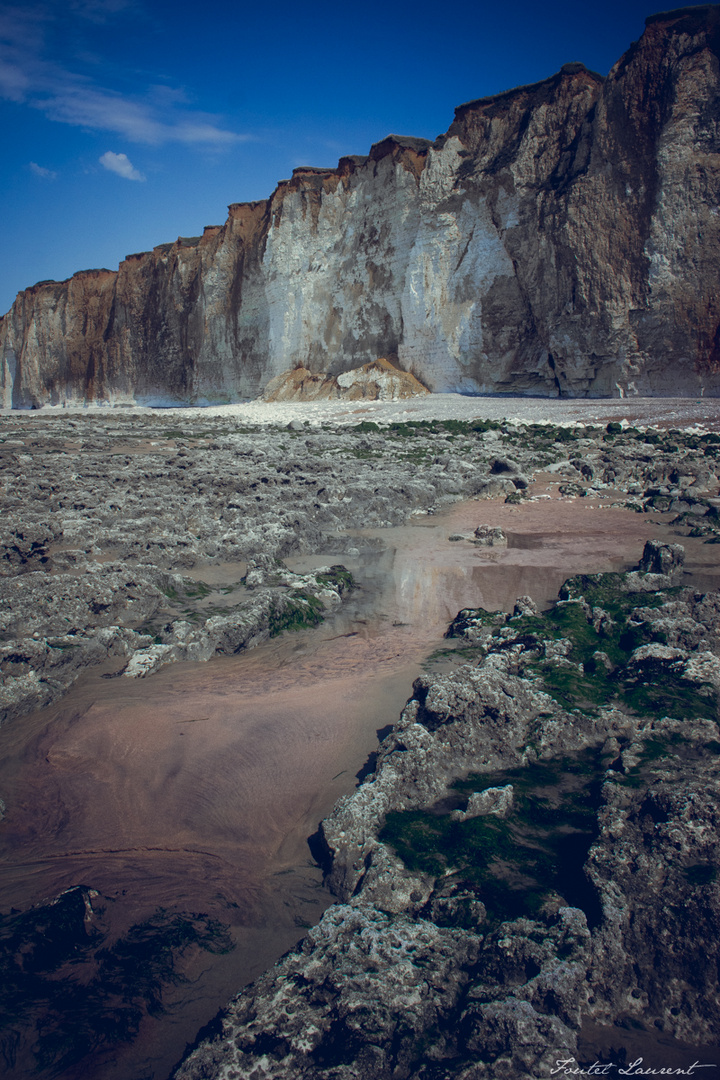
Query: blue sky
[{"x": 126, "y": 123}]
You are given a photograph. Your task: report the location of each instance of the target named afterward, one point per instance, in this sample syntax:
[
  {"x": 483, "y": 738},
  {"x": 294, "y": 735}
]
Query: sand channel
[{"x": 195, "y": 790}]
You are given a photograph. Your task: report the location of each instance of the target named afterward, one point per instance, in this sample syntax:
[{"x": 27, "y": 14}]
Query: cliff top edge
[
  {"x": 676, "y": 18},
  {"x": 573, "y": 68},
  {"x": 678, "y": 13}
]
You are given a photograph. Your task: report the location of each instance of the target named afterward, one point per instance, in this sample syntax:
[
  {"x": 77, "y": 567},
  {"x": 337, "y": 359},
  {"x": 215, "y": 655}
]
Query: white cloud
[
  {"x": 120, "y": 164},
  {"x": 156, "y": 116},
  {"x": 40, "y": 170},
  {"x": 139, "y": 121}
]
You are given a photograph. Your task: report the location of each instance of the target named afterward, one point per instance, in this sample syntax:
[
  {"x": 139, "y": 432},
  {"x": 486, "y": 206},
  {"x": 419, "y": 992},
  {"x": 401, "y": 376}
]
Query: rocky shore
[
  {"x": 532, "y": 864},
  {"x": 107, "y": 519},
  {"x": 533, "y": 861}
]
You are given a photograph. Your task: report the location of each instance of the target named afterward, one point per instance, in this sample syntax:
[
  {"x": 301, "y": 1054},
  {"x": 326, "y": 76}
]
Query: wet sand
[{"x": 196, "y": 789}]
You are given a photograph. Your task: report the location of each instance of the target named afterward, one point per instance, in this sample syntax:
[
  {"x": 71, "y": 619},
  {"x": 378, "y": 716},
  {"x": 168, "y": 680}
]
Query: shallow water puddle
[{"x": 195, "y": 790}]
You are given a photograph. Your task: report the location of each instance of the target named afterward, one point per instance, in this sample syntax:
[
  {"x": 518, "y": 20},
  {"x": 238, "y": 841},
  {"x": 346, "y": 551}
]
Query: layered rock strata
[
  {"x": 559, "y": 239},
  {"x": 533, "y": 862}
]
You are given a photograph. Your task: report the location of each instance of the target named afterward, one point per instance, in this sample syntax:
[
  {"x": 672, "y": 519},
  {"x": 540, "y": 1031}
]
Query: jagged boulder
[{"x": 659, "y": 558}]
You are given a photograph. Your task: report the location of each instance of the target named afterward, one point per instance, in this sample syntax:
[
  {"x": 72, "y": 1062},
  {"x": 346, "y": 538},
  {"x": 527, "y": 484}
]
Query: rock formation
[
  {"x": 377, "y": 381},
  {"x": 572, "y": 891},
  {"x": 414, "y": 974},
  {"x": 559, "y": 239},
  {"x": 87, "y": 574}
]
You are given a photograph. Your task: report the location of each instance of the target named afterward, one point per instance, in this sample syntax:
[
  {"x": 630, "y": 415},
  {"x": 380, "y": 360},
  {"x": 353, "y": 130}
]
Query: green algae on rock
[{"x": 532, "y": 854}]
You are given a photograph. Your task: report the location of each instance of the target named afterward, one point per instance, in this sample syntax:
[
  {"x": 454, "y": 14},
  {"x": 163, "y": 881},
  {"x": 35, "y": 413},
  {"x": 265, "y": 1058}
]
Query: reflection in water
[
  {"x": 195, "y": 790},
  {"x": 94, "y": 990}
]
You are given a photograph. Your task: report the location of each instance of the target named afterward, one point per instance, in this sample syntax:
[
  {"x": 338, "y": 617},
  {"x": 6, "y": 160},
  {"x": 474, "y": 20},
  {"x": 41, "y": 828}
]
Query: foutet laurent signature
[{"x": 570, "y": 1067}]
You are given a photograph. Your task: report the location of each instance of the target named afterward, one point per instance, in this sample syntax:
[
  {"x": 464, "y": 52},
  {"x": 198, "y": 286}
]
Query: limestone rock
[
  {"x": 377, "y": 381},
  {"x": 490, "y": 994},
  {"x": 495, "y": 800},
  {"x": 490, "y": 536},
  {"x": 658, "y": 558},
  {"x": 301, "y": 385},
  {"x": 419, "y": 970},
  {"x": 112, "y": 510}
]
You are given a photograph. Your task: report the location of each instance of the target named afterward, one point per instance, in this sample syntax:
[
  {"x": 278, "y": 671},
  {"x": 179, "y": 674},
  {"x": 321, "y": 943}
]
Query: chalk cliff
[{"x": 560, "y": 239}]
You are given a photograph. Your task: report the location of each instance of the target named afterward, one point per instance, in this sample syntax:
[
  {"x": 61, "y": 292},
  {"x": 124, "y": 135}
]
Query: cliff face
[{"x": 560, "y": 239}]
